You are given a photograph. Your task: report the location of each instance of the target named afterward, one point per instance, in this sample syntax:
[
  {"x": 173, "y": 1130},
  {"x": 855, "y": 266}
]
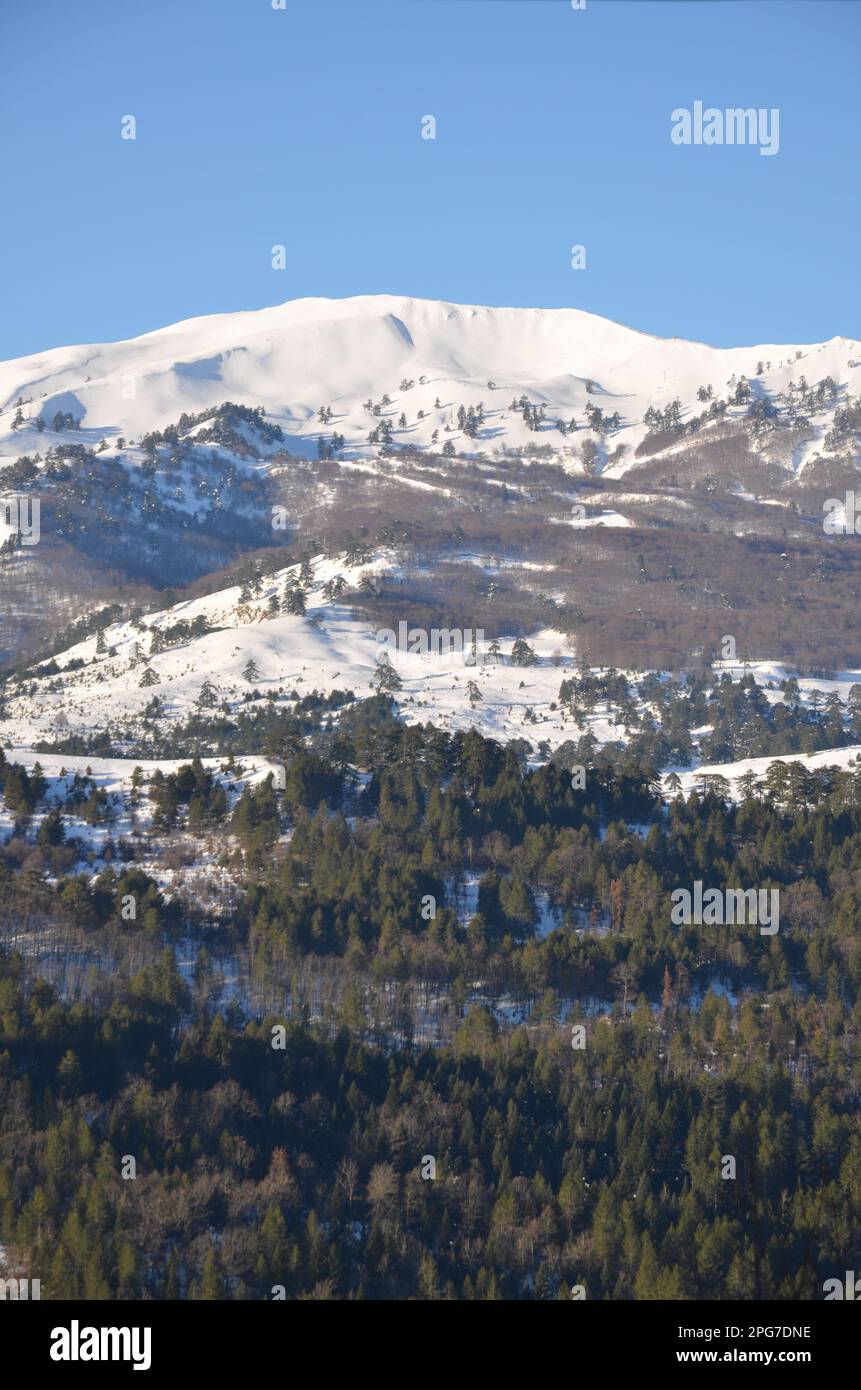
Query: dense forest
[
  {"x": 509, "y": 1165},
  {"x": 632, "y": 1135}
]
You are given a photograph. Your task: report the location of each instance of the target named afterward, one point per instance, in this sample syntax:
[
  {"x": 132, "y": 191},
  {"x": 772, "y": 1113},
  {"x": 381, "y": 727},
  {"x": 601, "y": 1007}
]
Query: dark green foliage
[
  {"x": 192, "y": 786},
  {"x": 553, "y": 1166},
  {"x": 21, "y": 791}
]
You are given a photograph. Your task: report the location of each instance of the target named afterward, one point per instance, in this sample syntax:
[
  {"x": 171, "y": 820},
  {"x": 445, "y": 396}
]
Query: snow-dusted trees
[
  {"x": 294, "y": 602},
  {"x": 333, "y": 588},
  {"x": 208, "y": 696},
  {"x": 386, "y": 680},
  {"x": 522, "y": 654}
]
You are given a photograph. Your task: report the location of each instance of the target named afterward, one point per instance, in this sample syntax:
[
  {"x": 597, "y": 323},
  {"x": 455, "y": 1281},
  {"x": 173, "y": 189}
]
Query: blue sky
[{"x": 302, "y": 127}]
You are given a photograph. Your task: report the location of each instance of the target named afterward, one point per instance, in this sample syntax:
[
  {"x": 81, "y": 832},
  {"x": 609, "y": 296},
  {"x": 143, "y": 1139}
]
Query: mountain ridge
[
  {"x": 639, "y": 476},
  {"x": 303, "y": 354}
]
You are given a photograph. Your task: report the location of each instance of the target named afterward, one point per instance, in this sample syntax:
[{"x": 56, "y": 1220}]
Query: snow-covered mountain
[
  {"x": 577, "y": 474},
  {"x": 296, "y": 358}
]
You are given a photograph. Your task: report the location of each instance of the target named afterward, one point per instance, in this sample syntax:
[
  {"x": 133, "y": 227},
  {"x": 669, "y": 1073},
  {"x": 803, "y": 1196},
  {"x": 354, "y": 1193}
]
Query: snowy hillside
[
  {"x": 417, "y": 359},
  {"x": 108, "y": 682},
  {"x": 241, "y": 652},
  {"x": 525, "y": 469},
  {"x": 692, "y": 779}
]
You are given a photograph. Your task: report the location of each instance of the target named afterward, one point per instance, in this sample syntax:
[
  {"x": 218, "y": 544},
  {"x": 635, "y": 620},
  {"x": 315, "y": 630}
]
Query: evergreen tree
[{"x": 522, "y": 654}]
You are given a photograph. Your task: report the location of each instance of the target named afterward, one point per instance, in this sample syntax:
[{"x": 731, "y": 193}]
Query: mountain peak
[{"x": 302, "y": 355}]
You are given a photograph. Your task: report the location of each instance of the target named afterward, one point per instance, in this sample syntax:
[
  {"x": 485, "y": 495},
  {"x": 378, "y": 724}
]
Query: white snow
[
  {"x": 327, "y": 649},
  {"x": 845, "y": 758},
  {"x": 607, "y": 518},
  {"x": 295, "y": 357}
]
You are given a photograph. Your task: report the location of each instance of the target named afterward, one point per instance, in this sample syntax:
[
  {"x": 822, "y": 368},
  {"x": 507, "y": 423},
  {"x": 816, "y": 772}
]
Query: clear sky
[{"x": 301, "y": 127}]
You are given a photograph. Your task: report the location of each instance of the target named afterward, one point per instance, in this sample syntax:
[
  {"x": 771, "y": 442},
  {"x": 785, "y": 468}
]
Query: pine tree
[
  {"x": 211, "y": 1282},
  {"x": 522, "y": 654},
  {"x": 334, "y": 587},
  {"x": 208, "y": 696},
  {"x": 386, "y": 680},
  {"x": 294, "y": 603}
]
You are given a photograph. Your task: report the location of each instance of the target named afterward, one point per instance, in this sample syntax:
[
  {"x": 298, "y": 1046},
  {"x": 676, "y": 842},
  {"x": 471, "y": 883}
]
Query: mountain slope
[
  {"x": 106, "y": 684},
  {"x": 622, "y": 489},
  {"x": 305, "y": 354}
]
